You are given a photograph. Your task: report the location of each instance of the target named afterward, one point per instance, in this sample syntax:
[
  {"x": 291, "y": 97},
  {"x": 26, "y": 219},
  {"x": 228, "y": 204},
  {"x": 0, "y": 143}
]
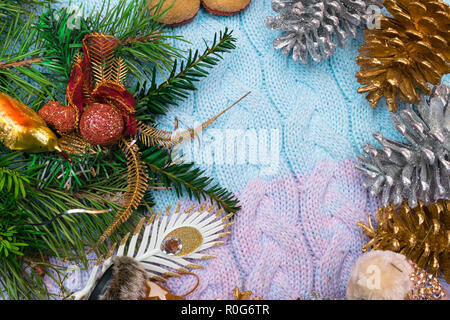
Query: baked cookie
[
  {"x": 225, "y": 7},
  {"x": 183, "y": 11}
]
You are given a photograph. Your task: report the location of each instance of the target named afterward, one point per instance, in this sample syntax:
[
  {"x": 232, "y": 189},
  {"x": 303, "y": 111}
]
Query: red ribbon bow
[{"x": 99, "y": 49}]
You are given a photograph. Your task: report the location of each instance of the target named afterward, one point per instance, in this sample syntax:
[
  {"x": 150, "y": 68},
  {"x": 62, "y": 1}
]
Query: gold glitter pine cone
[
  {"x": 422, "y": 234},
  {"x": 408, "y": 51}
]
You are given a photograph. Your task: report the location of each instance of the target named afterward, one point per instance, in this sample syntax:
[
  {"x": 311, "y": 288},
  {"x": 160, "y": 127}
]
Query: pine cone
[
  {"x": 421, "y": 234},
  {"x": 410, "y": 50},
  {"x": 310, "y": 26},
  {"x": 420, "y": 169}
]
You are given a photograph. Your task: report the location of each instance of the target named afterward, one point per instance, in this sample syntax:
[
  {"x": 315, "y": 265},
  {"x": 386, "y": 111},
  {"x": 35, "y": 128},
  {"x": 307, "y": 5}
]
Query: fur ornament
[
  {"x": 386, "y": 275},
  {"x": 128, "y": 281}
]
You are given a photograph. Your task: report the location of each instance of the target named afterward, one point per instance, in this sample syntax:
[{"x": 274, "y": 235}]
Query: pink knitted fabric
[{"x": 294, "y": 235}]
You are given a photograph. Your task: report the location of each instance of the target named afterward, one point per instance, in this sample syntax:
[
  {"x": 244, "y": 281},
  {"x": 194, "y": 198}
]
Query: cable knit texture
[{"x": 296, "y": 232}]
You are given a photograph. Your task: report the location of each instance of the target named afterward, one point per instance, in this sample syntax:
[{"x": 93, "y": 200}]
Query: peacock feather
[{"x": 166, "y": 244}]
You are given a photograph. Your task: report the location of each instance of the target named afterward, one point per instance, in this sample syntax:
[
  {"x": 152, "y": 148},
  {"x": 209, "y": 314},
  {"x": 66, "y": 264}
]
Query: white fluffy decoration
[{"x": 380, "y": 275}]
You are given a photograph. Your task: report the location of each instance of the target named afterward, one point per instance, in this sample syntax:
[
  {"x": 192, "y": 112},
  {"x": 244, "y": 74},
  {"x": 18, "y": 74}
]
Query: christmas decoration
[
  {"x": 420, "y": 168},
  {"x": 153, "y": 257},
  {"x": 22, "y": 129},
  {"x": 380, "y": 275},
  {"x": 426, "y": 286},
  {"x": 105, "y": 113},
  {"x": 180, "y": 12},
  {"x": 312, "y": 27},
  {"x": 421, "y": 234},
  {"x": 244, "y": 295},
  {"x": 101, "y": 124},
  {"x": 385, "y": 275},
  {"x": 60, "y": 117},
  {"x": 408, "y": 51},
  {"x": 126, "y": 279},
  {"x": 116, "y": 180}
]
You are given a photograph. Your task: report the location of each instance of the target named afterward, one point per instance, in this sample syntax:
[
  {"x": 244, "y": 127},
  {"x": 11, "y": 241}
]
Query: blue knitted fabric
[
  {"x": 316, "y": 123},
  {"x": 315, "y": 107}
]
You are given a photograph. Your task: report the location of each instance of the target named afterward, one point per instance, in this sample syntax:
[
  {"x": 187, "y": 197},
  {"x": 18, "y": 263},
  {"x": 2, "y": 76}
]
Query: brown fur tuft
[{"x": 128, "y": 281}]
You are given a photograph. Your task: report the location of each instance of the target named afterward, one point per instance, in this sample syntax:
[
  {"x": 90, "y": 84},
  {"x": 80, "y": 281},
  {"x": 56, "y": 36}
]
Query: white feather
[{"x": 148, "y": 252}]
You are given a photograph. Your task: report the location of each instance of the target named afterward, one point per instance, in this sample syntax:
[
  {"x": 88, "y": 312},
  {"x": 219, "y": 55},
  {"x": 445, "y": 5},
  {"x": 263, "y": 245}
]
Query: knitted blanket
[{"x": 288, "y": 151}]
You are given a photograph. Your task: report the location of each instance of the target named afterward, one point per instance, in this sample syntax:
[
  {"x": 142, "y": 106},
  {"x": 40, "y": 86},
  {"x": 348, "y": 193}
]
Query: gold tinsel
[
  {"x": 137, "y": 186},
  {"x": 74, "y": 143},
  {"x": 242, "y": 295},
  {"x": 408, "y": 51},
  {"x": 422, "y": 234}
]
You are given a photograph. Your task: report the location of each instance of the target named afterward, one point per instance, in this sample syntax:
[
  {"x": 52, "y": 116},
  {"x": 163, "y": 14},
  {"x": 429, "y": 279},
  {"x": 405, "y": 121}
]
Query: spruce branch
[
  {"x": 20, "y": 63},
  {"x": 10, "y": 8},
  {"x": 142, "y": 39},
  {"x": 65, "y": 238},
  {"x": 60, "y": 42},
  {"x": 183, "y": 177},
  {"x": 18, "y": 56},
  {"x": 14, "y": 179},
  {"x": 182, "y": 78}
]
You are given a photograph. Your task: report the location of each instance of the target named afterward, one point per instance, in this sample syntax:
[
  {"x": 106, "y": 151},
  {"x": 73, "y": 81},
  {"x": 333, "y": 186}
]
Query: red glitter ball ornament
[
  {"x": 60, "y": 117},
  {"x": 101, "y": 124}
]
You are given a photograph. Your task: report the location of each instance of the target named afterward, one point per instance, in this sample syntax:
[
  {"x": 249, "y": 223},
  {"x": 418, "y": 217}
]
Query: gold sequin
[{"x": 191, "y": 239}]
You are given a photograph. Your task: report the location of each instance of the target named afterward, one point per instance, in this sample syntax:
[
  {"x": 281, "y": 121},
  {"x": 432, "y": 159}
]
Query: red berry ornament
[
  {"x": 101, "y": 124},
  {"x": 60, "y": 117}
]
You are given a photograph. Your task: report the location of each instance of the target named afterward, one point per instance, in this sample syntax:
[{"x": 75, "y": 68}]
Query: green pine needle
[
  {"x": 35, "y": 188},
  {"x": 183, "y": 177},
  {"x": 143, "y": 41},
  {"x": 182, "y": 78},
  {"x": 18, "y": 78}
]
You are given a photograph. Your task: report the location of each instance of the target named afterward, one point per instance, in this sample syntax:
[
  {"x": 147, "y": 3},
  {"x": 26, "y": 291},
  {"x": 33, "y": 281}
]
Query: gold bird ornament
[{"x": 22, "y": 129}]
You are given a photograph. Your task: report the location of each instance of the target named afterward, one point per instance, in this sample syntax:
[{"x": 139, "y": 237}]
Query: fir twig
[
  {"x": 183, "y": 177},
  {"x": 18, "y": 55},
  {"x": 142, "y": 39},
  {"x": 182, "y": 78},
  {"x": 137, "y": 187},
  {"x": 20, "y": 63},
  {"x": 66, "y": 237}
]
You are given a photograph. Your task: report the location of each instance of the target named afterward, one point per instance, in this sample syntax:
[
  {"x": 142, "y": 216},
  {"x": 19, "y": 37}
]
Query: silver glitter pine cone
[
  {"x": 311, "y": 27},
  {"x": 419, "y": 169}
]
